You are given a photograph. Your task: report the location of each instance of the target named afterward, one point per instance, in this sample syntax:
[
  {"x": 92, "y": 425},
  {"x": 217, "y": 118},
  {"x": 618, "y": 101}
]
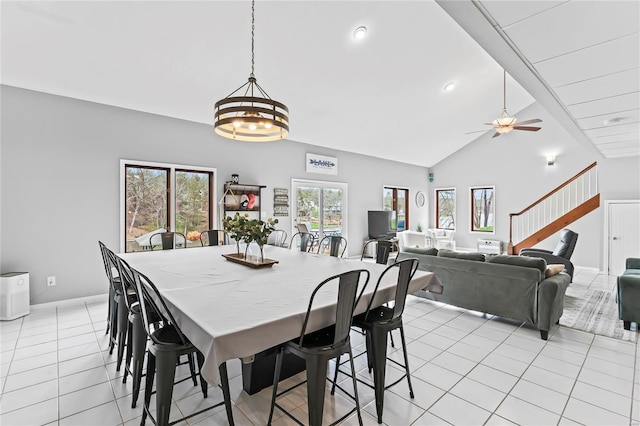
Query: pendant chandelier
[{"x": 248, "y": 113}]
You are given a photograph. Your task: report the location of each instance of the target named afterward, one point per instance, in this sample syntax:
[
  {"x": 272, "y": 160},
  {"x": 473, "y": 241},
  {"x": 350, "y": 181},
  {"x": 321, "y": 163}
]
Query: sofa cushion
[
  {"x": 553, "y": 269},
  {"x": 416, "y": 250},
  {"x": 631, "y": 272},
  {"x": 478, "y": 257},
  {"x": 528, "y": 262}
]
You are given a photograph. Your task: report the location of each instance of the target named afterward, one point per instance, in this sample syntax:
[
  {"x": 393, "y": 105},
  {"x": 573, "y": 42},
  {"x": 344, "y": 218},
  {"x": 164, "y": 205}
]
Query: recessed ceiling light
[
  {"x": 360, "y": 32},
  {"x": 449, "y": 86}
]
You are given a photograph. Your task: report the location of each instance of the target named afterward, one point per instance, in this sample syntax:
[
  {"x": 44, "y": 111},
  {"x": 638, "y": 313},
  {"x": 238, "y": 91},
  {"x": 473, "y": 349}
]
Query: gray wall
[
  {"x": 515, "y": 164},
  {"x": 60, "y": 181}
]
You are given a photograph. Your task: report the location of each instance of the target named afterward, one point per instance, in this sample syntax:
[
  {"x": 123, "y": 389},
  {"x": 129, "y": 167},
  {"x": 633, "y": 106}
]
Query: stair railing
[{"x": 566, "y": 197}]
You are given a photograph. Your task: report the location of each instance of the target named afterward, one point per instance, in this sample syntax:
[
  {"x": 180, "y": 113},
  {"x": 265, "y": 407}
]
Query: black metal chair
[
  {"x": 213, "y": 237},
  {"x": 383, "y": 250},
  {"x": 278, "y": 238},
  {"x": 377, "y": 322},
  {"x": 319, "y": 347},
  {"x": 336, "y": 244},
  {"x": 303, "y": 241},
  {"x": 167, "y": 344},
  {"x": 115, "y": 290},
  {"x": 167, "y": 240}
]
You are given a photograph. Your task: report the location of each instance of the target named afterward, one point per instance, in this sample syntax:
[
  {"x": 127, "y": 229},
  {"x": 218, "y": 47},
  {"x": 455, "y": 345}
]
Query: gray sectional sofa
[{"x": 507, "y": 286}]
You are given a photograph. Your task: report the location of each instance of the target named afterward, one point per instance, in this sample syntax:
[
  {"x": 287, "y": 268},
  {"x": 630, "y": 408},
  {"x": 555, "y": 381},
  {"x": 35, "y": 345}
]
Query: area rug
[{"x": 595, "y": 311}]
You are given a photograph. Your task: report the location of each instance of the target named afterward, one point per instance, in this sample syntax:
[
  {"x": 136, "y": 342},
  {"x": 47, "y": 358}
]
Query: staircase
[{"x": 553, "y": 212}]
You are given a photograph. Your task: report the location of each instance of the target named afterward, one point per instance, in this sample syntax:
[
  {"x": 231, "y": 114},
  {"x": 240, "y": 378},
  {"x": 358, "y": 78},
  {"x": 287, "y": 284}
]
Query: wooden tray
[{"x": 239, "y": 258}]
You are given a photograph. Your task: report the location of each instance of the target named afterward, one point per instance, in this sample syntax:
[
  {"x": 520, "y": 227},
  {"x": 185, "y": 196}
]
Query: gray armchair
[
  {"x": 629, "y": 293},
  {"x": 561, "y": 254}
]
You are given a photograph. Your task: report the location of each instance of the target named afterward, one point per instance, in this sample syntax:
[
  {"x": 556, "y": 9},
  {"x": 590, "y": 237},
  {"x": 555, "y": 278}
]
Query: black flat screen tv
[{"x": 380, "y": 224}]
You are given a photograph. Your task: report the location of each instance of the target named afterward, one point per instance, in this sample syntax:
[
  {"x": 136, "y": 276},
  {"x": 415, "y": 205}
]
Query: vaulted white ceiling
[{"x": 381, "y": 96}]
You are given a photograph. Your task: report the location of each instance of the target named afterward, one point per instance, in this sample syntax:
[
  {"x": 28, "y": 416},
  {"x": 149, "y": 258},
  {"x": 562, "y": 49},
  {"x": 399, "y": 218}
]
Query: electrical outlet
[{"x": 51, "y": 281}]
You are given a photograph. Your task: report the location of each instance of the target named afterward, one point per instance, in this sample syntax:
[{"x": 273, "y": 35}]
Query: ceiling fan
[{"x": 505, "y": 123}]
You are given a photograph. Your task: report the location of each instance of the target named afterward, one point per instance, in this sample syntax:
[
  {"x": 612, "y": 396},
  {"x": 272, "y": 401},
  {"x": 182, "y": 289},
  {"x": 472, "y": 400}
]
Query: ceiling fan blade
[
  {"x": 534, "y": 120},
  {"x": 477, "y": 131},
  {"x": 489, "y": 124},
  {"x": 496, "y": 135},
  {"x": 529, "y": 128}
]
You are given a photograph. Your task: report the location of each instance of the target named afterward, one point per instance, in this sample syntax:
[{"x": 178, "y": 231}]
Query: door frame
[
  {"x": 320, "y": 184},
  {"x": 607, "y": 241}
]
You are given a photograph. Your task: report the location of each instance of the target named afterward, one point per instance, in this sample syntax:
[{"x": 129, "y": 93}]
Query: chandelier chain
[{"x": 253, "y": 28}]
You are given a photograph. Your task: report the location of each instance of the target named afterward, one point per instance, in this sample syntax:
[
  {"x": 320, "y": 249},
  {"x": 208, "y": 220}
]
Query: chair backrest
[
  {"x": 126, "y": 278},
  {"x": 278, "y": 238},
  {"x": 347, "y": 283},
  {"x": 407, "y": 268},
  {"x": 383, "y": 250},
  {"x": 337, "y": 245},
  {"x": 167, "y": 240},
  {"x": 305, "y": 240},
  {"x": 109, "y": 265},
  {"x": 151, "y": 302},
  {"x": 567, "y": 244},
  {"x": 213, "y": 237}
]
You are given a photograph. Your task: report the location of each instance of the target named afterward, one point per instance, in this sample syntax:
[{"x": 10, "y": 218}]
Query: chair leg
[
  {"x": 151, "y": 372},
  {"x": 110, "y": 310},
  {"x": 203, "y": 384},
  {"x": 355, "y": 387},
  {"x": 123, "y": 326},
  {"x": 224, "y": 379},
  {"x": 316, "y": 380},
  {"x": 129, "y": 353},
  {"x": 192, "y": 368},
  {"x": 626, "y": 325},
  {"x": 139, "y": 340},
  {"x": 379, "y": 344},
  {"x": 166, "y": 371},
  {"x": 335, "y": 376},
  {"x": 406, "y": 361},
  {"x": 276, "y": 379},
  {"x": 367, "y": 339},
  {"x": 113, "y": 336}
]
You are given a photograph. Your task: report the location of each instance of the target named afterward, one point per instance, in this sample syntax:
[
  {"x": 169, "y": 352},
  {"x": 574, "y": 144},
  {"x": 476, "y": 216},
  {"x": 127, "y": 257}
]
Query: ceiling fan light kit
[
  {"x": 505, "y": 123},
  {"x": 248, "y": 113}
]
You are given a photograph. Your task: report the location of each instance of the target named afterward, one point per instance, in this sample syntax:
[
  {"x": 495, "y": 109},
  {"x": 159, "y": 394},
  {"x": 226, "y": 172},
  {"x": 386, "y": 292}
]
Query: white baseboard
[{"x": 71, "y": 302}]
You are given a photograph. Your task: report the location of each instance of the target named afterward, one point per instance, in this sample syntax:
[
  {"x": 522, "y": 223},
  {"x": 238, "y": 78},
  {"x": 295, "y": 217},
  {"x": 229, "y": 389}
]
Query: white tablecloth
[{"x": 232, "y": 311}]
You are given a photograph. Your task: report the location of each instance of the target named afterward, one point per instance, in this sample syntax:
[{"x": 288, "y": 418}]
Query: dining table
[{"x": 229, "y": 310}]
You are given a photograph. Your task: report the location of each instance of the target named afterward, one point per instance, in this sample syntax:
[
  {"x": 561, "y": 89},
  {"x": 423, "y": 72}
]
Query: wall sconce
[
  {"x": 551, "y": 160},
  {"x": 430, "y": 177}
]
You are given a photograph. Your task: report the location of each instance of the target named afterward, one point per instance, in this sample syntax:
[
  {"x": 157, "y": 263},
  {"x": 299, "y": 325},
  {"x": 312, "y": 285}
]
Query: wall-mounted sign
[{"x": 321, "y": 164}]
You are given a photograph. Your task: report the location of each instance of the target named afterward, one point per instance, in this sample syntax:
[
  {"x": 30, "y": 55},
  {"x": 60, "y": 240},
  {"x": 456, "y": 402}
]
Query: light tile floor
[{"x": 467, "y": 369}]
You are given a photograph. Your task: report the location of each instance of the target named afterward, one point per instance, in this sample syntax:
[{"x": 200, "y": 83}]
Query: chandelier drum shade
[{"x": 249, "y": 114}]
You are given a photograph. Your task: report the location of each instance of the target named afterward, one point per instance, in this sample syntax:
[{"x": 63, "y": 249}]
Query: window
[
  {"x": 483, "y": 209},
  {"x": 157, "y": 197},
  {"x": 396, "y": 200},
  {"x": 321, "y": 206},
  {"x": 446, "y": 208}
]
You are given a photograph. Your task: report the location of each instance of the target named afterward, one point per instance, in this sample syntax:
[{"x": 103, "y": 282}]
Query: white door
[{"x": 624, "y": 234}]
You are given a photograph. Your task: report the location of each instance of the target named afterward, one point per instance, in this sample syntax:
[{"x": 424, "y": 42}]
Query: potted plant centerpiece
[
  {"x": 235, "y": 227},
  {"x": 241, "y": 228},
  {"x": 259, "y": 231}
]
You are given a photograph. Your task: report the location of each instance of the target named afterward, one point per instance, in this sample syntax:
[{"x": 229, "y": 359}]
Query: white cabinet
[{"x": 14, "y": 295}]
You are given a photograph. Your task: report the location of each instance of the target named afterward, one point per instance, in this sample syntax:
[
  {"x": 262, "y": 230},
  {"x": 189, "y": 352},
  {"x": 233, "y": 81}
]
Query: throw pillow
[
  {"x": 529, "y": 262},
  {"x": 416, "y": 250},
  {"x": 553, "y": 269},
  {"x": 478, "y": 257}
]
